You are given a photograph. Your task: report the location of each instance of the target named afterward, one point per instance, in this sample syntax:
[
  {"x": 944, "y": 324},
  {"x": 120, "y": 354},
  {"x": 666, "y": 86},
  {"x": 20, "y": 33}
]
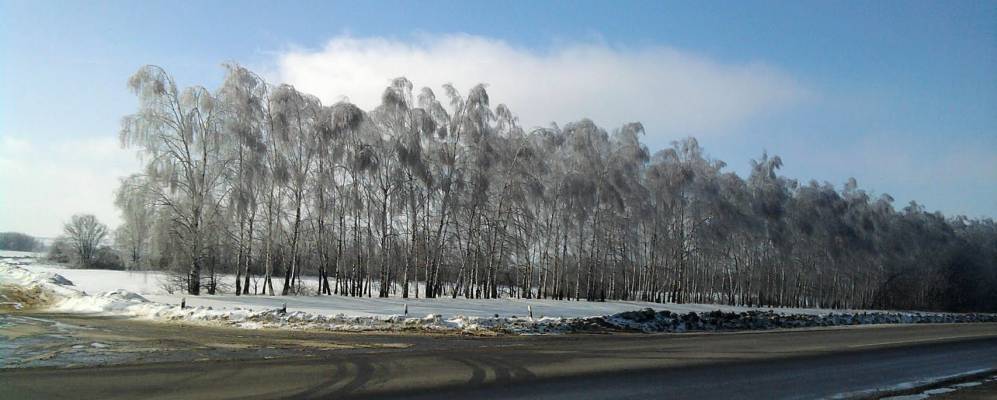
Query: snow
[
  {"x": 18, "y": 257},
  {"x": 148, "y": 284},
  {"x": 141, "y": 295},
  {"x": 96, "y": 280},
  {"x": 41, "y": 286},
  {"x": 870, "y": 393}
]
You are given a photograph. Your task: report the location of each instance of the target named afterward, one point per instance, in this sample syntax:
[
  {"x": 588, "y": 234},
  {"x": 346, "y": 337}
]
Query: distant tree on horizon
[{"x": 17, "y": 241}]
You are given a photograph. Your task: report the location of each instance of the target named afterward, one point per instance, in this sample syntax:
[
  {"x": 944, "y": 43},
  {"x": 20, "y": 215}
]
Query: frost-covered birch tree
[
  {"x": 450, "y": 196},
  {"x": 178, "y": 131}
]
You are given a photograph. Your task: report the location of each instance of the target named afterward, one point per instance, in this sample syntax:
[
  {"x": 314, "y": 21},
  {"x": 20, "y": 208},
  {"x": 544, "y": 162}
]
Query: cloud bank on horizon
[{"x": 673, "y": 92}]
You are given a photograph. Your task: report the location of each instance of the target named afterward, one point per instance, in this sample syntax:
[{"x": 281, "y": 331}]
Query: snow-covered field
[
  {"x": 142, "y": 295},
  {"x": 149, "y": 285}
]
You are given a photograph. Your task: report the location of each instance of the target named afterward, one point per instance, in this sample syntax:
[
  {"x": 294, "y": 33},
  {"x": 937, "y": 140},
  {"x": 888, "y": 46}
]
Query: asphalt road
[{"x": 219, "y": 363}]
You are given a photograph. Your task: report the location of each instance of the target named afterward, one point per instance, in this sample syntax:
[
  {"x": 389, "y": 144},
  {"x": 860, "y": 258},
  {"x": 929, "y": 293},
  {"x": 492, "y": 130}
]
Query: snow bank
[
  {"x": 18, "y": 257},
  {"x": 53, "y": 292},
  {"x": 149, "y": 285},
  {"x": 22, "y": 288},
  {"x": 44, "y": 289}
]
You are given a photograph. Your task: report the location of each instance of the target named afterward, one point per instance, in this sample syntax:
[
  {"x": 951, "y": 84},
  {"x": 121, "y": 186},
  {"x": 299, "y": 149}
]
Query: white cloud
[
  {"x": 42, "y": 184},
  {"x": 675, "y": 93}
]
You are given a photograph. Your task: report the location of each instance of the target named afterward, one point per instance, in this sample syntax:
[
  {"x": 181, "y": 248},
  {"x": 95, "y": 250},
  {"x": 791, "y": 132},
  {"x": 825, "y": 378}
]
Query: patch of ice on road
[
  {"x": 906, "y": 386},
  {"x": 919, "y": 396}
]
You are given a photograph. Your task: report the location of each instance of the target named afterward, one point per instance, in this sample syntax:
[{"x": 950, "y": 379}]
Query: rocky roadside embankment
[{"x": 648, "y": 320}]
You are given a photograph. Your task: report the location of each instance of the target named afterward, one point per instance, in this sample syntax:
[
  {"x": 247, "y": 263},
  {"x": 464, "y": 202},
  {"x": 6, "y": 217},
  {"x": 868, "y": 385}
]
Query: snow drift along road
[
  {"x": 23, "y": 288},
  {"x": 46, "y": 290}
]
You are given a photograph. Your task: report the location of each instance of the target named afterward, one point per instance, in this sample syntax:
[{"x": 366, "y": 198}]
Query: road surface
[{"x": 222, "y": 363}]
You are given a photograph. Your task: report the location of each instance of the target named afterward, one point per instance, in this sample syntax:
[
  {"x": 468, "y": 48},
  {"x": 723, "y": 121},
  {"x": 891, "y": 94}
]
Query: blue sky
[{"x": 900, "y": 95}]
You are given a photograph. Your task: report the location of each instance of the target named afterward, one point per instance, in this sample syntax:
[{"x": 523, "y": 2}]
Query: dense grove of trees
[
  {"x": 429, "y": 196},
  {"x": 16, "y": 241}
]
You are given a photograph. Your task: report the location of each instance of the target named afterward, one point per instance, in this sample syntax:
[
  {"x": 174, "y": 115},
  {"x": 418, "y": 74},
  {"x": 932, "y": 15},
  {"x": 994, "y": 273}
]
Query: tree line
[
  {"x": 429, "y": 196},
  {"x": 17, "y": 241}
]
